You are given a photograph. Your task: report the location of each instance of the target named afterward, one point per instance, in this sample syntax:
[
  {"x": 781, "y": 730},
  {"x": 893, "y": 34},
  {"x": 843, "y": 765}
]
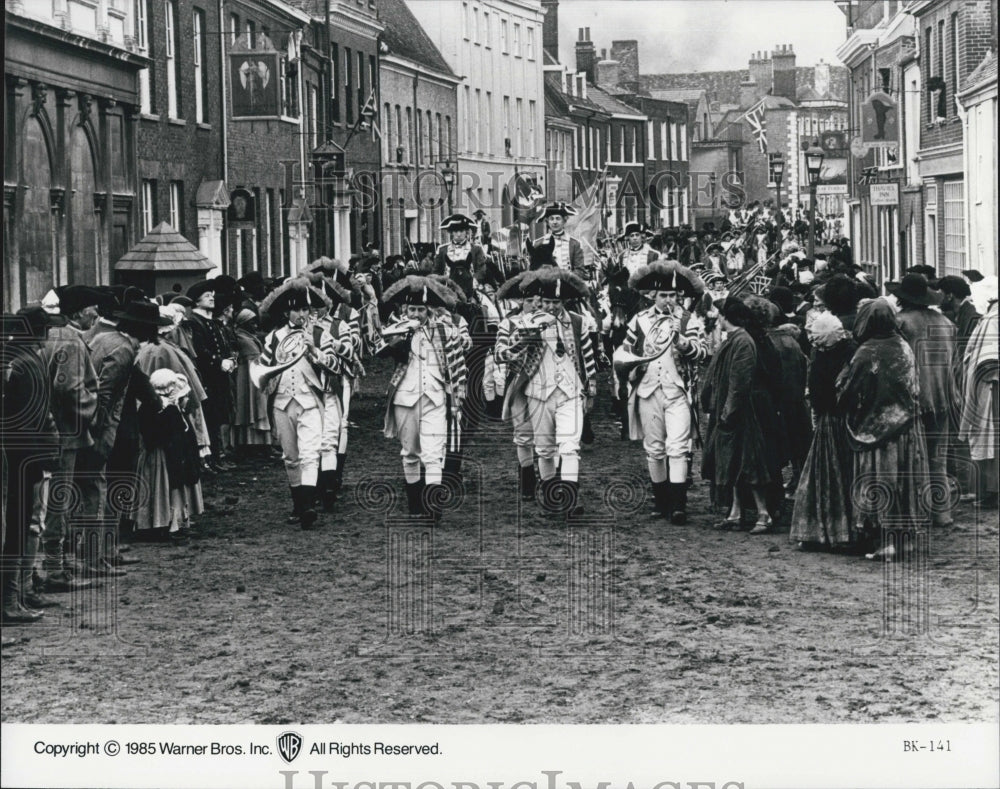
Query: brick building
[
  {"x": 954, "y": 38},
  {"x": 419, "y": 104},
  {"x": 180, "y": 128},
  {"x": 70, "y": 169},
  {"x": 908, "y": 198}
]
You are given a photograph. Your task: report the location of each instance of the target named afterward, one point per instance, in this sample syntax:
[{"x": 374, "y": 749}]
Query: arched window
[{"x": 35, "y": 230}]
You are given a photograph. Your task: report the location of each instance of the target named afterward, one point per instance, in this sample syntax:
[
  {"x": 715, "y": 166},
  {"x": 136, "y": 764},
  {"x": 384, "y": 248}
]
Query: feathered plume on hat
[
  {"x": 667, "y": 275},
  {"x": 295, "y": 293},
  {"x": 511, "y": 289},
  {"x": 542, "y": 253},
  {"x": 451, "y": 285},
  {"x": 335, "y": 271},
  {"x": 415, "y": 289},
  {"x": 551, "y": 282}
]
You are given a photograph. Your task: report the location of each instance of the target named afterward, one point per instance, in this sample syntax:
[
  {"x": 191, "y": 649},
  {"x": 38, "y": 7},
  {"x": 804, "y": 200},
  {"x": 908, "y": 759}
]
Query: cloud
[{"x": 704, "y": 35}]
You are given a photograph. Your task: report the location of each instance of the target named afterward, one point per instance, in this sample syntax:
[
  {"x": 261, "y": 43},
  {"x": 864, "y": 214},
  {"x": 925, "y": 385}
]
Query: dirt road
[{"x": 501, "y": 615}]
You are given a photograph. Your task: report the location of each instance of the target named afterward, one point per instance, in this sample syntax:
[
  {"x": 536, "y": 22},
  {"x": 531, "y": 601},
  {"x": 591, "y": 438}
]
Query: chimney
[
  {"x": 627, "y": 55},
  {"x": 550, "y": 28},
  {"x": 586, "y": 54},
  {"x": 760, "y": 71},
  {"x": 608, "y": 74},
  {"x": 783, "y": 67},
  {"x": 749, "y": 92},
  {"x": 821, "y": 78}
]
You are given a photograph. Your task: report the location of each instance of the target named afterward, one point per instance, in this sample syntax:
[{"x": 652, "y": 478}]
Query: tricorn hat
[
  {"x": 451, "y": 285},
  {"x": 551, "y": 282},
  {"x": 296, "y": 293},
  {"x": 631, "y": 227},
  {"x": 456, "y": 222},
  {"x": 667, "y": 275},
  {"x": 419, "y": 290},
  {"x": 558, "y": 209},
  {"x": 511, "y": 289},
  {"x": 914, "y": 288}
]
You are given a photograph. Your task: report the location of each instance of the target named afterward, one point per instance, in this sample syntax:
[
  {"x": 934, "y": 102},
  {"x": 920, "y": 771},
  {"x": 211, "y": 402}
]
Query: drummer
[{"x": 660, "y": 390}]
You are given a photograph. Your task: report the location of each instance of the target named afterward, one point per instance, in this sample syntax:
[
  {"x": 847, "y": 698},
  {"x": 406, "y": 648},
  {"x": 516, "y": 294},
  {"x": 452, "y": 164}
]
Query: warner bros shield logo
[{"x": 289, "y": 745}]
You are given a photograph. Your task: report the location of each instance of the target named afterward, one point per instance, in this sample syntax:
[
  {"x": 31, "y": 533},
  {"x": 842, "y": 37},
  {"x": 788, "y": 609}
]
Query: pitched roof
[
  {"x": 610, "y": 104},
  {"x": 163, "y": 249},
  {"x": 563, "y": 101},
  {"x": 983, "y": 73},
  {"x": 406, "y": 38}
]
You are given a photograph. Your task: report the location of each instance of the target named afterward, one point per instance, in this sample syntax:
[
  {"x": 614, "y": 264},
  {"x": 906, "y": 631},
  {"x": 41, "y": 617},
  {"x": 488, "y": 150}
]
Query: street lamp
[
  {"x": 777, "y": 173},
  {"x": 814, "y": 166},
  {"x": 448, "y": 175}
]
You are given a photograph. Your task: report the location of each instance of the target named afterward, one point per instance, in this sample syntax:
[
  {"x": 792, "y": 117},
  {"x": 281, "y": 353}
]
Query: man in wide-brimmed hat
[
  {"x": 425, "y": 395},
  {"x": 558, "y": 377},
  {"x": 567, "y": 252},
  {"x": 297, "y": 386},
  {"x": 660, "y": 391},
  {"x": 933, "y": 339},
  {"x": 637, "y": 252}
]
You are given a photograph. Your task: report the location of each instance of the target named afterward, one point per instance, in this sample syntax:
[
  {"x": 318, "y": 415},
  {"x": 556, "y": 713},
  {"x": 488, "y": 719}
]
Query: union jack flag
[{"x": 758, "y": 124}]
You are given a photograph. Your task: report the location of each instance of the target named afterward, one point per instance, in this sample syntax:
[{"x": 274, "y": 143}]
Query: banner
[{"x": 586, "y": 224}]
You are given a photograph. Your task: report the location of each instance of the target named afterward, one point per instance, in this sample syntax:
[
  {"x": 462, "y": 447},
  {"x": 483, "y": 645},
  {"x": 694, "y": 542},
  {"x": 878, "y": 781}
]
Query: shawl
[{"x": 878, "y": 390}]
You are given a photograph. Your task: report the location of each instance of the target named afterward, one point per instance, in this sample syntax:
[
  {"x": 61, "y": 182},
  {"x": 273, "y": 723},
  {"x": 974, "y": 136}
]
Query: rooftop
[{"x": 407, "y": 39}]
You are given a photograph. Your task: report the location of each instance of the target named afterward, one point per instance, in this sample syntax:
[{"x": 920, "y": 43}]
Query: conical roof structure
[{"x": 164, "y": 249}]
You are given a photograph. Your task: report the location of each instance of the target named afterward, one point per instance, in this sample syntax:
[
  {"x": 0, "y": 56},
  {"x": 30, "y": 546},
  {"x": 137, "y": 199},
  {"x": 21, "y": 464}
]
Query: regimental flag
[{"x": 757, "y": 120}]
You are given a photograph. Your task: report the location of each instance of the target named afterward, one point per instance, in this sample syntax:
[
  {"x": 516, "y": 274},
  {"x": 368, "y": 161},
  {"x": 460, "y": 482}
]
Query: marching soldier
[
  {"x": 637, "y": 252},
  {"x": 343, "y": 317},
  {"x": 426, "y": 390},
  {"x": 558, "y": 378},
  {"x": 508, "y": 358},
  {"x": 669, "y": 340},
  {"x": 567, "y": 252},
  {"x": 292, "y": 369}
]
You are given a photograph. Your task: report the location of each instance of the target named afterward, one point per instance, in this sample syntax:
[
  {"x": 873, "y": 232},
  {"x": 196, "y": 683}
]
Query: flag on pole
[
  {"x": 755, "y": 117},
  {"x": 367, "y": 110},
  {"x": 586, "y": 224}
]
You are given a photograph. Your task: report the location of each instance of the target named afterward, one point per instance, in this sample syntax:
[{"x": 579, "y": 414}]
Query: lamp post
[
  {"x": 778, "y": 173},
  {"x": 814, "y": 166}
]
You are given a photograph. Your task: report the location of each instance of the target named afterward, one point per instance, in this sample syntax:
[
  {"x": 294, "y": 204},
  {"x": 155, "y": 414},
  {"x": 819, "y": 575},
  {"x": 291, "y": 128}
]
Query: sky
[{"x": 704, "y": 35}]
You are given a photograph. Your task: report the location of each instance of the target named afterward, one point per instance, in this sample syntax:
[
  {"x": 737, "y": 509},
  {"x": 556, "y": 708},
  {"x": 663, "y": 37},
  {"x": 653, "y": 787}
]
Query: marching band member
[
  {"x": 426, "y": 390},
  {"x": 507, "y": 365},
  {"x": 567, "y": 252},
  {"x": 343, "y": 316},
  {"x": 296, "y": 392},
  {"x": 345, "y": 337},
  {"x": 558, "y": 378},
  {"x": 660, "y": 392}
]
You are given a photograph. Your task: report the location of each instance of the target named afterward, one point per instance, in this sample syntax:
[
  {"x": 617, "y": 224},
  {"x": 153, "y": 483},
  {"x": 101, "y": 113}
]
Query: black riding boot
[
  {"x": 661, "y": 499},
  {"x": 679, "y": 503}
]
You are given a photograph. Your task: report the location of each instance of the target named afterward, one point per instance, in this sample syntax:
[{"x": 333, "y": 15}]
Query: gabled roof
[
  {"x": 610, "y": 104},
  {"x": 406, "y": 38}
]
